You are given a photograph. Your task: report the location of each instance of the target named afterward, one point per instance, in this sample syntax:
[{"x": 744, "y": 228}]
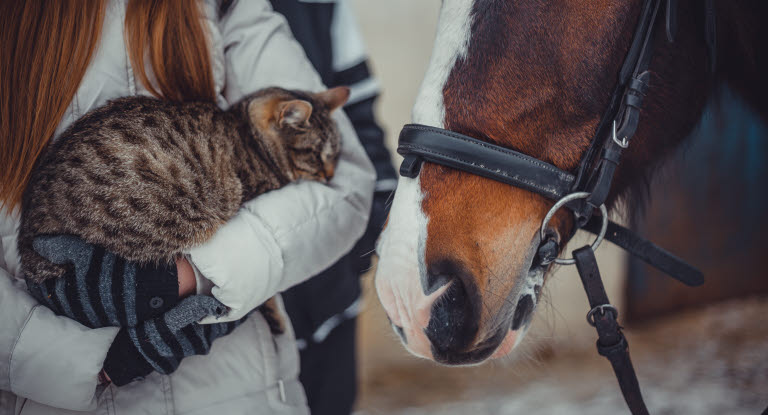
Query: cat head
[{"x": 297, "y": 130}]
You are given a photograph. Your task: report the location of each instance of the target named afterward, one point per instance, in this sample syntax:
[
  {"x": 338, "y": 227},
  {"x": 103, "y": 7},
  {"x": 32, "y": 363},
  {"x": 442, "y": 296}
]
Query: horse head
[{"x": 458, "y": 273}]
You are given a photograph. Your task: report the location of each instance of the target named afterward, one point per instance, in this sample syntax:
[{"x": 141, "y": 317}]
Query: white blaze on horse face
[
  {"x": 451, "y": 43},
  {"x": 402, "y": 243},
  {"x": 401, "y": 261}
]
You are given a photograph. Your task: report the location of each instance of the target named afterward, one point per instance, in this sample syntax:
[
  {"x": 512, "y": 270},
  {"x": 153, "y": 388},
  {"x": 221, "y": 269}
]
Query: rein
[{"x": 582, "y": 192}]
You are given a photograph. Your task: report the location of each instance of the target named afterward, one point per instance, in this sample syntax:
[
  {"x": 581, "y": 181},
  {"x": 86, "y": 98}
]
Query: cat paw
[{"x": 273, "y": 318}]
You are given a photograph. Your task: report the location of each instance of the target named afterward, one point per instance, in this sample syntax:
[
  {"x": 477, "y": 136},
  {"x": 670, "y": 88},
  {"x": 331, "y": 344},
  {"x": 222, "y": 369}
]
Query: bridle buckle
[
  {"x": 623, "y": 143},
  {"x": 602, "y": 309}
]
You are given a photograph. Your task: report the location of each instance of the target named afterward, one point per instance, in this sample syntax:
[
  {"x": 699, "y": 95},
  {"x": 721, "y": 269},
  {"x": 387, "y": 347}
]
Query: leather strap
[
  {"x": 671, "y": 20},
  {"x": 611, "y": 342},
  {"x": 649, "y": 252},
  {"x": 628, "y": 67},
  {"x": 635, "y": 78},
  {"x": 423, "y": 143}
]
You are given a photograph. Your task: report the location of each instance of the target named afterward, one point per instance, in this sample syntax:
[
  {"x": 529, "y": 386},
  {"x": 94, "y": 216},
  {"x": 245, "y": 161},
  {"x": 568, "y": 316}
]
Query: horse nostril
[
  {"x": 439, "y": 274},
  {"x": 453, "y": 322},
  {"x": 433, "y": 282},
  {"x": 523, "y": 312}
]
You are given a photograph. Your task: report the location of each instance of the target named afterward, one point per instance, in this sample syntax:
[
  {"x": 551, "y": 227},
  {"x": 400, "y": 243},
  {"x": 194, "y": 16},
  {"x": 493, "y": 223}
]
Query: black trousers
[{"x": 328, "y": 371}]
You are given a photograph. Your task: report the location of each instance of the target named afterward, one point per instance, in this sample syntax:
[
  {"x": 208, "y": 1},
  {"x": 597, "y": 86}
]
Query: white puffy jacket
[{"x": 49, "y": 364}]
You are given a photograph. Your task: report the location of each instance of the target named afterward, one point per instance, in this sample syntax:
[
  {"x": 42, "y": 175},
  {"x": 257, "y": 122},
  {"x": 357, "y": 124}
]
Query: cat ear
[
  {"x": 294, "y": 113},
  {"x": 261, "y": 111},
  {"x": 335, "y": 97}
]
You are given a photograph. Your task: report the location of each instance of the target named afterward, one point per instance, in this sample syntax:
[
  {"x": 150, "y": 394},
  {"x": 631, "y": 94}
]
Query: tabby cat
[{"x": 148, "y": 179}]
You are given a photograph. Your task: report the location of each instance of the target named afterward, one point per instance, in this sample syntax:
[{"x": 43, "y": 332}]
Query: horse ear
[
  {"x": 334, "y": 98},
  {"x": 294, "y": 113}
]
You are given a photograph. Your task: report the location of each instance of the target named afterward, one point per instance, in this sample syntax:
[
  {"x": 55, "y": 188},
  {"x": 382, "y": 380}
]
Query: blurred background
[{"x": 697, "y": 351}]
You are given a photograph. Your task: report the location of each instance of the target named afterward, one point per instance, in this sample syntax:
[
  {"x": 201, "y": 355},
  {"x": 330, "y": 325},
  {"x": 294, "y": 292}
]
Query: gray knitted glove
[
  {"x": 102, "y": 289},
  {"x": 160, "y": 343}
]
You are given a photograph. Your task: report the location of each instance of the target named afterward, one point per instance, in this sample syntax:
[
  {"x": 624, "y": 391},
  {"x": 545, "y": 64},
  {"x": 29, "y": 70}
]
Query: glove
[
  {"x": 101, "y": 289},
  {"x": 159, "y": 344}
]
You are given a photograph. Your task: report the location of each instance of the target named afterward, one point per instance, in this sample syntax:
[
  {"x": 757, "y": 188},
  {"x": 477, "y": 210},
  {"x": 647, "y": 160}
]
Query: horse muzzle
[{"x": 444, "y": 315}]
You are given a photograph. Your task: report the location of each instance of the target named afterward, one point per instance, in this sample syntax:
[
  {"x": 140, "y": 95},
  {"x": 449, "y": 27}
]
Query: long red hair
[{"x": 45, "y": 49}]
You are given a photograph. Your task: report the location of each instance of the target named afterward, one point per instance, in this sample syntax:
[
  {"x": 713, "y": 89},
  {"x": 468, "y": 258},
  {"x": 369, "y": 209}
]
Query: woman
[{"x": 60, "y": 61}]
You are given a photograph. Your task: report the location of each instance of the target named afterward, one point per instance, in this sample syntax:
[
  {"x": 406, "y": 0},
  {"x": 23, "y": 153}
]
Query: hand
[
  {"x": 98, "y": 297},
  {"x": 104, "y": 290},
  {"x": 159, "y": 344},
  {"x": 186, "y": 275}
]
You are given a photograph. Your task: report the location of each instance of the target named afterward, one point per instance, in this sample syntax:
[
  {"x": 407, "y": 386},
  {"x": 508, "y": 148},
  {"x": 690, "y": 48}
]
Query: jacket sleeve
[
  {"x": 285, "y": 236},
  {"x": 46, "y": 358}
]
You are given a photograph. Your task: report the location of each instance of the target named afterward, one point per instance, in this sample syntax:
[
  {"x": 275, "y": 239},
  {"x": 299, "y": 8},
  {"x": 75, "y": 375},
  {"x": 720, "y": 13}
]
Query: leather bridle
[{"x": 583, "y": 191}]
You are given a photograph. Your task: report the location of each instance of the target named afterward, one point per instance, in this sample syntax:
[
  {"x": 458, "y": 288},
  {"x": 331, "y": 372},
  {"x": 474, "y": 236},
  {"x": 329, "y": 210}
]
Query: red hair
[{"x": 45, "y": 49}]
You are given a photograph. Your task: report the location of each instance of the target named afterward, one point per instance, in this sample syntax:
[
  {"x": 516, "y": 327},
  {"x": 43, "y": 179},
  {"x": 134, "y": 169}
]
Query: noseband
[{"x": 583, "y": 191}]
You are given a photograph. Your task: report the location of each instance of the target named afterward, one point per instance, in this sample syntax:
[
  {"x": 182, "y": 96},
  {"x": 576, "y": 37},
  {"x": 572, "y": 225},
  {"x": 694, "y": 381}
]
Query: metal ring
[
  {"x": 602, "y": 309},
  {"x": 624, "y": 143},
  {"x": 560, "y": 203}
]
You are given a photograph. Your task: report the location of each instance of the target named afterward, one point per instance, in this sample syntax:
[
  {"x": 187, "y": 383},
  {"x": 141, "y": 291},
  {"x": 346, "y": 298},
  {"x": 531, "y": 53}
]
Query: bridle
[{"x": 583, "y": 191}]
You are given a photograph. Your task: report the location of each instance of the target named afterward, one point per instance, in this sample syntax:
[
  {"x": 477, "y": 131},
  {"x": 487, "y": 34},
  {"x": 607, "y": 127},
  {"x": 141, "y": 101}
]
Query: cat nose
[{"x": 329, "y": 170}]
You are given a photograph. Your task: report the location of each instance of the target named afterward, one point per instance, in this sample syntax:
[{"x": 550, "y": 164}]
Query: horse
[{"x": 458, "y": 273}]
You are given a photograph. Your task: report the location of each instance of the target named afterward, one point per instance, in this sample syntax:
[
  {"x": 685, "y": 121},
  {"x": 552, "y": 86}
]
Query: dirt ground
[{"x": 709, "y": 361}]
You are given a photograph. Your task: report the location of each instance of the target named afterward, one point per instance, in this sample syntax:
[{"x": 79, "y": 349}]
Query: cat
[{"x": 148, "y": 179}]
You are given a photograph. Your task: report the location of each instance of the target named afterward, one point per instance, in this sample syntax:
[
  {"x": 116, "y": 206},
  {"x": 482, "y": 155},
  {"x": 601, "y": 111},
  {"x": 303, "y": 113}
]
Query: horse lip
[
  {"x": 494, "y": 340},
  {"x": 475, "y": 356},
  {"x": 480, "y": 353}
]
